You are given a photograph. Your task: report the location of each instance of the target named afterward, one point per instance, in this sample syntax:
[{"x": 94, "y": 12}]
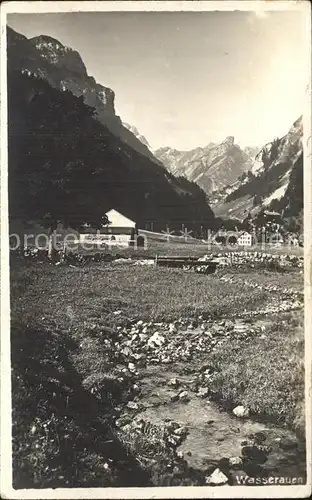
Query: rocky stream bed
[{"x": 171, "y": 401}]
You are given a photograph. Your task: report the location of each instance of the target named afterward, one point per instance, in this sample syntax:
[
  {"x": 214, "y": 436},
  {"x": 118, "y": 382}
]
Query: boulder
[
  {"x": 137, "y": 356},
  {"x": 180, "y": 431},
  {"x": 174, "y": 440},
  {"x": 184, "y": 396},
  {"x": 241, "y": 412},
  {"x": 166, "y": 360},
  {"x": 172, "y": 328},
  {"x": 143, "y": 336},
  {"x": 216, "y": 478},
  {"x": 203, "y": 392},
  {"x": 131, "y": 367},
  {"x": 156, "y": 340},
  {"x": 174, "y": 382},
  {"x": 132, "y": 405},
  {"x": 122, "y": 421},
  {"x": 126, "y": 351}
]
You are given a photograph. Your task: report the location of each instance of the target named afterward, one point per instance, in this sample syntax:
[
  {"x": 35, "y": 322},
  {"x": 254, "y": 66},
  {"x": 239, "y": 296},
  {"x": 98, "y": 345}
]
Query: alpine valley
[{"x": 66, "y": 139}]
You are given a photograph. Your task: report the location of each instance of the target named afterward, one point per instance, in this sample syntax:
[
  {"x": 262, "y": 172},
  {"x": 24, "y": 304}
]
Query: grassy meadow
[{"x": 64, "y": 325}]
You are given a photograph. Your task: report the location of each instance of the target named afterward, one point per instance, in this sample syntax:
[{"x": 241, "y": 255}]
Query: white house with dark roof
[{"x": 119, "y": 231}]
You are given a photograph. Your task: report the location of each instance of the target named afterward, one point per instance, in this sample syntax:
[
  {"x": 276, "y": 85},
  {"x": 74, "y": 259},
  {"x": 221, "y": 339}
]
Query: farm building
[
  {"x": 119, "y": 223},
  {"x": 120, "y": 231}
]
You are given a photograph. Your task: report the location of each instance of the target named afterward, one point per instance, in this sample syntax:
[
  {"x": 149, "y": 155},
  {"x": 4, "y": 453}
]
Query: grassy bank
[{"x": 267, "y": 374}]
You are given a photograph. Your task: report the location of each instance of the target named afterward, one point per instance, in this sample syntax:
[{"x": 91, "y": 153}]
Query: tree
[
  {"x": 220, "y": 239},
  {"x": 105, "y": 221},
  {"x": 257, "y": 200},
  {"x": 232, "y": 240}
]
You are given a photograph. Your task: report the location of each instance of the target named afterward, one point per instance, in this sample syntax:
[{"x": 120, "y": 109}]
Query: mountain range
[
  {"x": 242, "y": 183},
  {"x": 72, "y": 157},
  {"x": 115, "y": 167},
  {"x": 212, "y": 167},
  {"x": 274, "y": 182},
  {"x": 64, "y": 69}
]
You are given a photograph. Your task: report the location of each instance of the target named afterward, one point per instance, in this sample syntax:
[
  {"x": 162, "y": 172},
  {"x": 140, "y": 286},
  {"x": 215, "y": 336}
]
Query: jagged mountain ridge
[
  {"x": 64, "y": 69},
  {"x": 273, "y": 182},
  {"x": 212, "y": 167}
]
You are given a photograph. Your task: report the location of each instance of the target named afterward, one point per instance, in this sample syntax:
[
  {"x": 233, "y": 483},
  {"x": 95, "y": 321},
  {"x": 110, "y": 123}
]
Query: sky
[{"x": 185, "y": 79}]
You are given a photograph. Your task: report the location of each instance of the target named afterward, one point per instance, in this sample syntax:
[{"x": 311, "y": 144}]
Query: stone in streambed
[
  {"x": 132, "y": 405},
  {"x": 184, "y": 396},
  {"x": 180, "y": 431},
  {"x": 156, "y": 340},
  {"x": 122, "y": 421},
  {"x": 235, "y": 462},
  {"x": 174, "y": 382},
  {"x": 172, "y": 328},
  {"x": 216, "y": 478},
  {"x": 131, "y": 367},
  {"x": 174, "y": 440},
  {"x": 203, "y": 392},
  {"x": 241, "y": 412}
]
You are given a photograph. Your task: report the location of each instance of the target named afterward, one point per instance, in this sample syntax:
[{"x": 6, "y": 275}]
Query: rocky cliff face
[
  {"x": 213, "y": 167},
  {"x": 137, "y": 134},
  {"x": 273, "y": 182},
  {"x": 65, "y": 158},
  {"x": 64, "y": 69}
]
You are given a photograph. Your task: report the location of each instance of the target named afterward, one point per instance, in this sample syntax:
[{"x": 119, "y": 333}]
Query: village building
[
  {"x": 233, "y": 238},
  {"x": 245, "y": 239}
]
